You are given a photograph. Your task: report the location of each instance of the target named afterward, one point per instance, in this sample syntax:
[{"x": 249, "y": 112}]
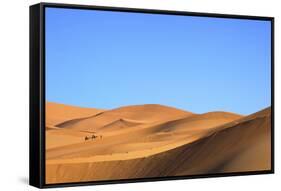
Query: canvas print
[{"x": 138, "y": 95}]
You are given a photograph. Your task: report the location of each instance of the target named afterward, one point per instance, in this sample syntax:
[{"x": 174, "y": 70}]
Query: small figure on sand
[{"x": 92, "y": 137}]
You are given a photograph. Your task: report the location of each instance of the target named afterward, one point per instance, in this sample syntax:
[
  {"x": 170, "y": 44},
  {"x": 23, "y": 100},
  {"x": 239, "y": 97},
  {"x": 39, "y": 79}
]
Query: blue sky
[{"x": 107, "y": 59}]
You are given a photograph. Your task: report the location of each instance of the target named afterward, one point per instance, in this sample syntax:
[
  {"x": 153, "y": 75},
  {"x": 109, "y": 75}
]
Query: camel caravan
[{"x": 92, "y": 137}]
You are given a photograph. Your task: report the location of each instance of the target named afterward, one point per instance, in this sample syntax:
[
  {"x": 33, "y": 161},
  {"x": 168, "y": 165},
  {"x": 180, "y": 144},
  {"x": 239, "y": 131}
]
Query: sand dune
[
  {"x": 145, "y": 141},
  {"x": 58, "y": 113},
  {"x": 198, "y": 122},
  {"x": 145, "y": 113},
  {"x": 124, "y": 132},
  {"x": 120, "y": 124}
]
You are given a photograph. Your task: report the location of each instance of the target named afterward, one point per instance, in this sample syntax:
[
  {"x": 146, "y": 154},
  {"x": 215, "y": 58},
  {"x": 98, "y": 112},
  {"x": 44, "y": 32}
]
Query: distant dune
[
  {"x": 145, "y": 113},
  {"x": 151, "y": 141},
  {"x": 57, "y": 113},
  {"x": 120, "y": 124}
]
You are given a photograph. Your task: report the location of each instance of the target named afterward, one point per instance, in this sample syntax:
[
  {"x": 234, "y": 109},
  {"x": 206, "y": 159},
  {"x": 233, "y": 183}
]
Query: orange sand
[{"x": 151, "y": 141}]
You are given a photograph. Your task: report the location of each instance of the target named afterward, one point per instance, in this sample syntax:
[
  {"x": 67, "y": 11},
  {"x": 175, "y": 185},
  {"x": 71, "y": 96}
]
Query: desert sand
[
  {"x": 141, "y": 141},
  {"x": 58, "y": 113}
]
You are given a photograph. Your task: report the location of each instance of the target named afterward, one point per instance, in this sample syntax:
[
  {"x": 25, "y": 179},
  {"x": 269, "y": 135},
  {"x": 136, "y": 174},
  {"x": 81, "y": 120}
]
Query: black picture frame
[{"x": 37, "y": 93}]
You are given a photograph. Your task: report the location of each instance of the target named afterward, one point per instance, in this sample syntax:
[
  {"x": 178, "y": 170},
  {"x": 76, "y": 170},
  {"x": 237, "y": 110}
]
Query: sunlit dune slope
[
  {"x": 57, "y": 113},
  {"x": 140, "y": 113}
]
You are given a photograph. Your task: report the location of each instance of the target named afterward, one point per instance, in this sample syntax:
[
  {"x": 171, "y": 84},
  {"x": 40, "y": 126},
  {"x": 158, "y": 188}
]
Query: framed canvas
[{"x": 122, "y": 95}]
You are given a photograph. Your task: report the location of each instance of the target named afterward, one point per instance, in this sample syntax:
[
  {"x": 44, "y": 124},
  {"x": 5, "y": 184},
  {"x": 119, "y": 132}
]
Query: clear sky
[{"x": 107, "y": 59}]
